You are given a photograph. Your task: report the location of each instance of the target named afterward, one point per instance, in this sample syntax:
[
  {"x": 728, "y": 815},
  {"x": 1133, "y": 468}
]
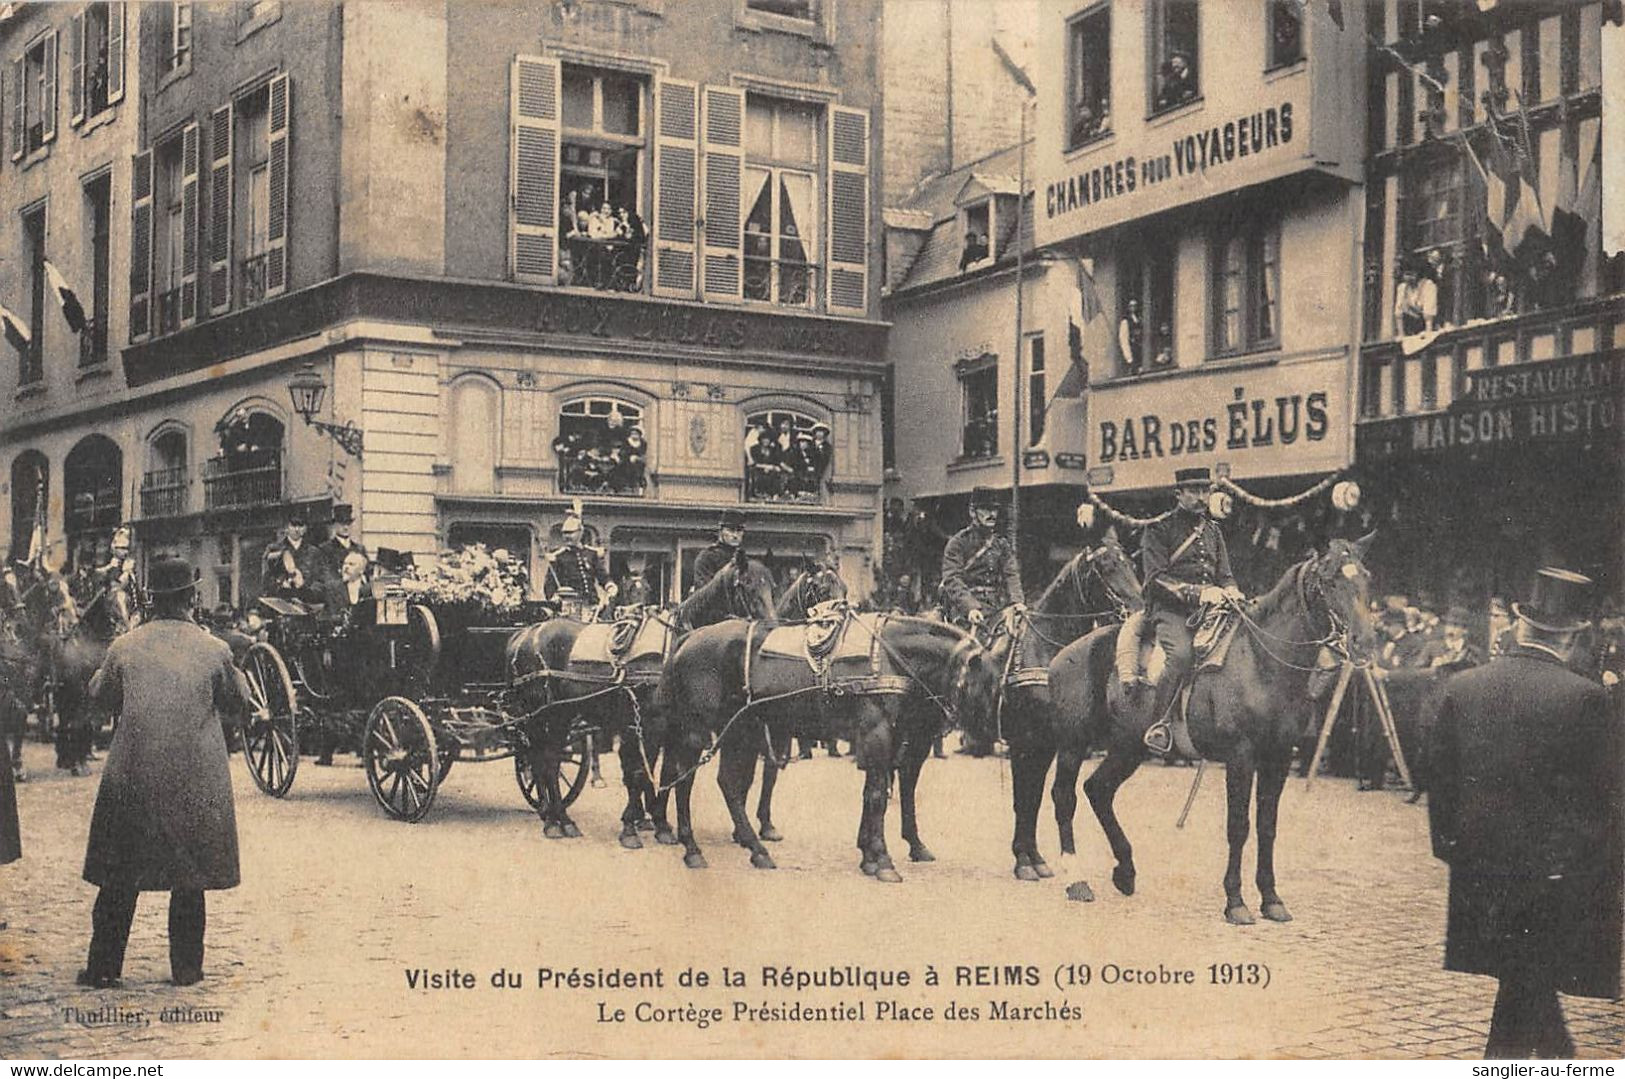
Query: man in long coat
[
  {"x": 1524, "y": 806},
  {"x": 164, "y": 818}
]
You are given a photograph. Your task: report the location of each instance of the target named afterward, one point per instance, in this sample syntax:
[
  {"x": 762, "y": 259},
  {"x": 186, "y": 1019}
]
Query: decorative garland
[{"x": 1227, "y": 485}]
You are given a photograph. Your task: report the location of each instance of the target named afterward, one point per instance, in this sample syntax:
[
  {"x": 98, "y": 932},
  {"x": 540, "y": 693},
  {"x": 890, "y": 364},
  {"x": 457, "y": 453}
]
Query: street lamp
[{"x": 307, "y": 390}]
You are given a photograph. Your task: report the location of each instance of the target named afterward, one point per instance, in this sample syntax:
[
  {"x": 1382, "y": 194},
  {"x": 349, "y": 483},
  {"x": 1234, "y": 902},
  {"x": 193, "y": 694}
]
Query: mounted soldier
[
  {"x": 979, "y": 568},
  {"x": 576, "y": 572},
  {"x": 730, "y": 538},
  {"x": 1186, "y": 568},
  {"x": 116, "y": 578}
]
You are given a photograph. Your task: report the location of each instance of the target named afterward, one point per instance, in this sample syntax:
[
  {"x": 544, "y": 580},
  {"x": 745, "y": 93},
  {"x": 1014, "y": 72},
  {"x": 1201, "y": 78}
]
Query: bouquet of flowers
[{"x": 470, "y": 576}]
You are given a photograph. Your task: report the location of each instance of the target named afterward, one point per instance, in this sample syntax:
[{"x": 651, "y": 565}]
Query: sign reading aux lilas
[{"x": 1285, "y": 421}]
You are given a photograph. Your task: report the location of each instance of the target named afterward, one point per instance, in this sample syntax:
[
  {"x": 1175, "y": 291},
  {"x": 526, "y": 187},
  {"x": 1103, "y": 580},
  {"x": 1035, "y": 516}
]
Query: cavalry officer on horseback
[
  {"x": 577, "y": 571},
  {"x": 730, "y": 537},
  {"x": 116, "y": 577},
  {"x": 979, "y": 567},
  {"x": 1186, "y": 568}
]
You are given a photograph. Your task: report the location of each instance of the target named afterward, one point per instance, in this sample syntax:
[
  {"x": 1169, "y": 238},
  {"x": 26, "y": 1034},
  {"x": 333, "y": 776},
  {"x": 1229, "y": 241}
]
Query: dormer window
[{"x": 976, "y": 229}]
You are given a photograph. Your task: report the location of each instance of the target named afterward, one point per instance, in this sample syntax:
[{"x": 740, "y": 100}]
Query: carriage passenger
[{"x": 291, "y": 564}]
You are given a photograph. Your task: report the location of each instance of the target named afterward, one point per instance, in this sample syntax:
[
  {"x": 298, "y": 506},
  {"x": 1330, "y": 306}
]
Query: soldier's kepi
[
  {"x": 979, "y": 568},
  {"x": 1186, "y": 567}
]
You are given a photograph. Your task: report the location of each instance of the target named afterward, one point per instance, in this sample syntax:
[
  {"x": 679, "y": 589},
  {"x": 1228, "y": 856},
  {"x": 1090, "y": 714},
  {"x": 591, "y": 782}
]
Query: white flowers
[{"x": 470, "y": 575}]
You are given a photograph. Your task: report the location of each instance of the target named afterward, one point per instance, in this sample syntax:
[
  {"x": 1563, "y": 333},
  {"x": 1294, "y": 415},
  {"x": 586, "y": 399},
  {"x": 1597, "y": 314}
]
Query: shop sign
[
  {"x": 1035, "y": 459},
  {"x": 1072, "y": 460}
]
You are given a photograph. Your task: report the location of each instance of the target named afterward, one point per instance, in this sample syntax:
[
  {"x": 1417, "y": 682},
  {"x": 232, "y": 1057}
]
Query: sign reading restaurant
[
  {"x": 1191, "y": 155},
  {"x": 1288, "y": 419}
]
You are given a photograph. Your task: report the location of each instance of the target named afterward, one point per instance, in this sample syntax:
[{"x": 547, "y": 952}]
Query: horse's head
[
  {"x": 818, "y": 583},
  {"x": 1342, "y": 581},
  {"x": 975, "y": 691},
  {"x": 750, "y": 587},
  {"x": 1115, "y": 569}
]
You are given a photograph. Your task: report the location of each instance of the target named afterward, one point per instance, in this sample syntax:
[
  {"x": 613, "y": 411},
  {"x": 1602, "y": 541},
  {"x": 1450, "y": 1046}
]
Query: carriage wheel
[
  {"x": 447, "y": 750},
  {"x": 576, "y": 764},
  {"x": 526, "y": 778},
  {"x": 271, "y": 737},
  {"x": 403, "y": 762},
  {"x": 417, "y": 652}
]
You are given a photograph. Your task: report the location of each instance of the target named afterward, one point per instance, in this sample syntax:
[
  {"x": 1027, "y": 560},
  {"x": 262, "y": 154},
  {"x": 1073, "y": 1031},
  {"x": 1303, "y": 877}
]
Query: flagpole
[{"x": 1021, "y": 281}]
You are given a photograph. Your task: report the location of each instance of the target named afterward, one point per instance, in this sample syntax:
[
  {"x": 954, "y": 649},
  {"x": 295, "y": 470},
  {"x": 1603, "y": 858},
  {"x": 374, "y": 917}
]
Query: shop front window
[
  {"x": 788, "y": 456},
  {"x": 602, "y": 448}
]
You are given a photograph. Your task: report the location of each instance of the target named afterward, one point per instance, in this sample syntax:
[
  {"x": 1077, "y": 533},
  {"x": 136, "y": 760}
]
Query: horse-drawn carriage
[{"x": 412, "y": 687}]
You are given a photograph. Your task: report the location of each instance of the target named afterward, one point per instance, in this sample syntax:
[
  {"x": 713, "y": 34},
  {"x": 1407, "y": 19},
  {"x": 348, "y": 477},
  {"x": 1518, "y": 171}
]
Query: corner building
[
  {"x": 1203, "y": 161},
  {"x": 412, "y": 222}
]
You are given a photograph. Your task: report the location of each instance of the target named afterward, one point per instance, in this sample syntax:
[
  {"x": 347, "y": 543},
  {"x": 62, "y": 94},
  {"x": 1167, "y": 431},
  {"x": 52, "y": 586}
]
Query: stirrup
[{"x": 1159, "y": 738}]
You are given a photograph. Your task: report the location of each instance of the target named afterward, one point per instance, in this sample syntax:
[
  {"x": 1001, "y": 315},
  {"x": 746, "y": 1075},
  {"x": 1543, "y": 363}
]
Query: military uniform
[
  {"x": 1181, "y": 555},
  {"x": 979, "y": 572},
  {"x": 579, "y": 569}
]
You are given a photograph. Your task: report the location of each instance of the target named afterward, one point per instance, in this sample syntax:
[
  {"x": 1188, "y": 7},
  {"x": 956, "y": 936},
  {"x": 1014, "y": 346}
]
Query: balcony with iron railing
[
  {"x": 251, "y": 278},
  {"x": 253, "y": 478},
  {"x": 785, "y": 282},
  {"x": 163, "y": 492},
  {"x": 168, "y": 314},
  {"x": 93, "y": 343}
]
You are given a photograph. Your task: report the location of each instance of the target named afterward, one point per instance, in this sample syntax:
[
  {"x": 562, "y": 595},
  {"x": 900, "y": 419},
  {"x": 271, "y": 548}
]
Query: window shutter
[
  {"x": 722, "y": 277},
  {"x": 19, "y": 97},
  {"x": 76, "y": 70},
  {"x": 276, "y": 215},
  {"x": 848, "y": 210},
  {"x": 219, "y": 291},
  {"x": 533, "y": 197},
  {"x": 48, "y": 93},
  {"x": 141, "y": 246},
  {"x": 189, "y": 223},
  {"x": 115, "y": 51},
  {"x": 676, "y": 150}
]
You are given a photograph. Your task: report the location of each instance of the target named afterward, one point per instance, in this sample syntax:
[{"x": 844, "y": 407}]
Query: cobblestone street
[{"x": 308, "y": 957}]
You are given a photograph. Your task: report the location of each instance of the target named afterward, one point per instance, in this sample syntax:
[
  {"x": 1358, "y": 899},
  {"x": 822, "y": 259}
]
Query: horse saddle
[
  {"x": 619, "y": 644},
  {"x": 1214, "y": 634},
  {"x": 836, "y": 643}
]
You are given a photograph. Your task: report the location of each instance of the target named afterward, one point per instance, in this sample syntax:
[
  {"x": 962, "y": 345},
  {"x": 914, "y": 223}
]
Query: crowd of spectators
[
  {"x": 611, "y": 459},
  {"x": 783, "y": 464},
  {"x": 603, "y": 243}
]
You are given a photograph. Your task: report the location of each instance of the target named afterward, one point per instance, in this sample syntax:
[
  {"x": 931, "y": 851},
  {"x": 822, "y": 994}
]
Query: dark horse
[
  {"x": 1096, "y": 586},
  {"x": 79, "y": 657},
  {"x": 538, "y": 663},
  {"x": 720, "y": 696},
  {"x": 31, "y": 653},
  {"x": 1247, "y": 714}
]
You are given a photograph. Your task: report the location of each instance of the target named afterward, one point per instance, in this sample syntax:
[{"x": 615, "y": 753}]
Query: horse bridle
[
  {"x": 1094, "y": 570},
  {"x": 1312, "y": 595}
]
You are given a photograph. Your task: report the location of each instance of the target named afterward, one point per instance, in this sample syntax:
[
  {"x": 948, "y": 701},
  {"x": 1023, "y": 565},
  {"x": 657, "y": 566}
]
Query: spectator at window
[
  {"x": 1087, "y": 121},
  {"x": 1178, "y": 82},
  {"x": 1416, "y": 300},
  {"x": 767, "y": 472},
  {"x": 1131, "y": 337},
  {"x": 975, "y": 249},
  {"x": 629, "y": 473}
]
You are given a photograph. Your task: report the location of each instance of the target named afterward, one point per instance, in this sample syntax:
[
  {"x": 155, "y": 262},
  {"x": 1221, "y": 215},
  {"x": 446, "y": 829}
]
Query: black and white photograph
[{"x": 796, "y": 529}]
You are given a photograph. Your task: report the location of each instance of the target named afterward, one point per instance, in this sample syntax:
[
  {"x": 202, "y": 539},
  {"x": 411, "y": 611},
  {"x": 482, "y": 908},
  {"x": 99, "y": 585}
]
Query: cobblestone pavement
[{"x": 308, "y": 957}]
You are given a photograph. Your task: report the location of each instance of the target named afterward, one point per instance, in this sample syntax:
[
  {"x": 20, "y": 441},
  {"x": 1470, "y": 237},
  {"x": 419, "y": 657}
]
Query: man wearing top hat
[
  {"x": 1186, "y": 566},
  {"x": 730, "y": 537},
  {"x": 979, "y": 568},
  {"x": 164, "y": 818},
  {"x": 1524, "y": 807},
  {"x": 338, "y": 546},
  {"x": 292, "y": 566},
  {"x": 577, "y": 568}
]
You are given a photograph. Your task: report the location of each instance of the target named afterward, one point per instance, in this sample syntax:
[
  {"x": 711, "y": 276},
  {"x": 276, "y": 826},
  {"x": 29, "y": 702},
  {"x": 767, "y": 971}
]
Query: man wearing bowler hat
[
  {"x": 979, "y": 568},
  {"x": 1524, "y": 807},
  {"x": 164, "y": 818},
  {"x": 730, "y": 537}
]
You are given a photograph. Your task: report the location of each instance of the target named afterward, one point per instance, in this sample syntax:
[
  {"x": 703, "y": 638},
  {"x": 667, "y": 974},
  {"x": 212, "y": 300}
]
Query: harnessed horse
[
  {"x": 1246, "y": 714},
  {"x": 555, "y": 696},
  {"x": 83, "y": 647},
  {"x": 1096, "y": 586},
  {"x": 31, "y": 640}
]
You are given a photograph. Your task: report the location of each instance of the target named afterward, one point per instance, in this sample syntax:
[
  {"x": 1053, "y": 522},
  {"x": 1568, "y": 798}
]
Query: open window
[
  {"x": 602, "y": 448},
  {"x": 92, "y": 485},
  {"x": 176, "y": 38},
  {"x": 976, "y": 231},
  {"x": 1175, "y": 53},
  {"x": 979, "y": 406},
  {"x": 1285, "y": 44},
  {"x": 248, "y": 469},
  {"x": 781, "y": 201},
  {"x": 1145, "y": 303},
  {"x": 33, "y": 96},
  {"x": 602, "y": 164},
  {"x": 788, "y": 456},
  {"x": 165, "y": 481},
  {"x": 96, "y": 50},
  {"x": 1089, "y": 76},
  {"x": 31, "y": 358},
  {"x": 30, "y": 495}
]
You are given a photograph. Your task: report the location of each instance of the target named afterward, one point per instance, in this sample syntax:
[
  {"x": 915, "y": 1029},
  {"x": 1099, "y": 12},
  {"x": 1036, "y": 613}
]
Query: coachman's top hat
[
  {"x": 343, "y": 515},
  {"x": 1558, "y": 601},
  {"x": 170, "y": 576},
  {"x": 1193, "y": 477},
  {"x": 731, "y": 519},
  {"x": 297, "y": 516}
]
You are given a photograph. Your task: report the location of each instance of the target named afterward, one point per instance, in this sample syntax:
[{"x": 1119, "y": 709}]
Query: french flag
[
  {"x": 16, "y": 329},
  {"x": 72, "y": 309}
]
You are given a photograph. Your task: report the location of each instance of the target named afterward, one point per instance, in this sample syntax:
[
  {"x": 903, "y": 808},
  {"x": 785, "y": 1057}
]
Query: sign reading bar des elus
[
  {"x": 1577, "y": 398},
  {"x": 1277, "y": 421}
]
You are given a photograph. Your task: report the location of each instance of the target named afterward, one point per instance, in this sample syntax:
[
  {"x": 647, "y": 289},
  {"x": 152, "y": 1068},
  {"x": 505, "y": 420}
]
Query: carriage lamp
[{"x": 307, "y": 390}]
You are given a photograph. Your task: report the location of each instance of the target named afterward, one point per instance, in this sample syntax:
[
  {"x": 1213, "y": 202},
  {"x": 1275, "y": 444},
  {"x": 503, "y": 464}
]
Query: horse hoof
[
  {"x": 630, "y": 841},
  {"x": 762, "y": 860},
  {"x": 553, "y": 830},
  {"x": 1067, "y": 847},
  {"x": 695, "y": 860},
  {"x": 1275, "y": 912},
  {"x": 665, "y": 837},
  {"x": 921, "y": 853},
  {"x": 1238, "y": 914},
  {"x": 887, "y": 875},
  {"x": 646, "y": 825},
  {"x": 1123, "y": 878},
  {"x": 1080, "y": 892},
  {"x": 1042, "y": 868},
  {"x": 1025, "y": 871},
  {"x": 571, "y": 831},
  {"x": 869, "y": 868},
  {"x": 770, "y": 834}
]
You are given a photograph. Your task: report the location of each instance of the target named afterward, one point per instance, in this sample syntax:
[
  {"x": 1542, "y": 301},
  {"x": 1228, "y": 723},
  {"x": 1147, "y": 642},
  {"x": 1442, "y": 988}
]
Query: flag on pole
[
  {"x": 1579, "y": 206},
  {"x": 1511, "y": 202},
  {"x": 17, "y": 331},
  {"x": 1076, "y": 379},
  {"x": 72, "y": 309},
  {"x": 1016, "y": 71}
]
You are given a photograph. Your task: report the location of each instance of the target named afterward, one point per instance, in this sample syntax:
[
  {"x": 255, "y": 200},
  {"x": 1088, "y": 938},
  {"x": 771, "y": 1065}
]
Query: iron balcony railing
[
  {"x": 163, "y": 493},
  {"x": 787, "y": 282},
  {"x": 242, "y": 479}
]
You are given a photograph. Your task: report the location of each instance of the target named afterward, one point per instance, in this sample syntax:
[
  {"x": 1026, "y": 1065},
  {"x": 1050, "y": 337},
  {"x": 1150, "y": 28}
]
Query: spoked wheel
[
  {"x": 415, "y": 655},
  {"x": 271, "y": 740},
  {"x": 576, "y": 765},
  {"x": 403, "y": 762},
  {"x": 526, "y": 778}
]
